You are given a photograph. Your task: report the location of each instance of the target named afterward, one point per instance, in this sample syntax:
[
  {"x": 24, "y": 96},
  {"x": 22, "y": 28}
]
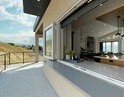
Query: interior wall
[
  {"x": 81, "y": 35},
  {"x": 95, "y": 28},
  {"x": 122, "y": 45},
  {"x": 67, "y": 36},
  {"x": 76, "y": 40}
]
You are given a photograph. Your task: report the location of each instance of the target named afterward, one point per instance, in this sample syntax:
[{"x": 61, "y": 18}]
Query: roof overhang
[{"x": 35, "y": 7}]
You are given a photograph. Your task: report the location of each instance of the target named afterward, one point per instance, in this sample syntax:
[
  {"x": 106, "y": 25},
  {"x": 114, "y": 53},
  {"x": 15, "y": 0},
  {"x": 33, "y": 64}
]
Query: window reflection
[{"x": 48, "y": 42}]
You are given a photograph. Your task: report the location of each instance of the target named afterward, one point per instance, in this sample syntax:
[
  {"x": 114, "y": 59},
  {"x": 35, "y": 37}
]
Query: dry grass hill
[
  {"x": 6, "y": 48},
  {"x": 15, "y": 57}
]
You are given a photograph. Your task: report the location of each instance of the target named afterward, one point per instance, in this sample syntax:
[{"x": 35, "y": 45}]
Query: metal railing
[{"x": 17, "y": 57}]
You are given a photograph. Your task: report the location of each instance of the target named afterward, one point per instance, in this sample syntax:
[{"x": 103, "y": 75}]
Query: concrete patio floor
[{"x": 25, "y": 80}]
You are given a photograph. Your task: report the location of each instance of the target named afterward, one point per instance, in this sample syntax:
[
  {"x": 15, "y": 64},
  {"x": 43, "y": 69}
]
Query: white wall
[
  {"x": 122, "y": 45},
  {"x": 67, "y": 36},
  {"x": 76, "y": 40}
]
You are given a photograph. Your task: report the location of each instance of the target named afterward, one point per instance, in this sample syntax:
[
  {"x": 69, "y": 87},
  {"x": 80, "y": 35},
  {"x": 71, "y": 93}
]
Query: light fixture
[
  {"x": 123, "y": 29},
  {"x": 89, "y": 1},
  {"x": 101, "y": 4},
  {"x": 118, "y": 33}
]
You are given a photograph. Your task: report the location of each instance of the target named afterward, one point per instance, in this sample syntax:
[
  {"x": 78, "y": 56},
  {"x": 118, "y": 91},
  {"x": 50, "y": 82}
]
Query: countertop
[{"x": 119, "y": 58}]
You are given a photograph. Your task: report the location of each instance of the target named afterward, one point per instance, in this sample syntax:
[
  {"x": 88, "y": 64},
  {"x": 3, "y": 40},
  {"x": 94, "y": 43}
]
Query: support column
[
  {"x": 58, "y": 41},
  {"x": 36, "y": 47}
]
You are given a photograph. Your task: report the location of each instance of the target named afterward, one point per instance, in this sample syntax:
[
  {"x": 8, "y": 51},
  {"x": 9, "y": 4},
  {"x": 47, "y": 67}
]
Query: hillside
[
  {"x": 15, "y": 57},
  {"x": 6, "y": 48}
]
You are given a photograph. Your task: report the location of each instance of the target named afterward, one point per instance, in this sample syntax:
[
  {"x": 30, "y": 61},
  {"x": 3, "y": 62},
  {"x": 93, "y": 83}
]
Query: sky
[{"x": 15, "y": 25}]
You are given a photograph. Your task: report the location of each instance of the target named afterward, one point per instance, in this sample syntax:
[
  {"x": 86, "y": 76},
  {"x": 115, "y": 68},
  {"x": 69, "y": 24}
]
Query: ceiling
[
  {"x": 111, "y": 17},
  {"x": 35, "y": 7},
  {"x": 89, "y": 24}
]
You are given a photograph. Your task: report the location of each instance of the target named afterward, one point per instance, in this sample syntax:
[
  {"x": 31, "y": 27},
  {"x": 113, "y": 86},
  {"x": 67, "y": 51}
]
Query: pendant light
[
  {"x": 118, "y": 33},
  {"x": 123, "y": 29}
]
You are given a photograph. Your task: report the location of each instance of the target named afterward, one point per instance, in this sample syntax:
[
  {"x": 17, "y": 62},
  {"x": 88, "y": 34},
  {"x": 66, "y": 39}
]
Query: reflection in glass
[{"x": 48, "y": 42}]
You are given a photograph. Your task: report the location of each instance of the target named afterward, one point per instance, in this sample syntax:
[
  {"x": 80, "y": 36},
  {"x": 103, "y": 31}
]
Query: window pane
[
  {"x": 104, "y": 47},
  {"x": 115, "y": 47},
  {"x": 48, "y": 42},
  {"x": 108, "y": 46}
]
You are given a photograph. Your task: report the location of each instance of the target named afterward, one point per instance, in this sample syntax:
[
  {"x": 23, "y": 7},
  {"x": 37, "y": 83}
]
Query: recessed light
[
  {"x": 89, "y": 1},
  {"x": 100, "y": 4},
  {"x": 38, "y": 0}
]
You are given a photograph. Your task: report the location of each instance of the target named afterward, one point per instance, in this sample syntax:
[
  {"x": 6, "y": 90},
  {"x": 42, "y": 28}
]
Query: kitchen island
[{"x": 113, "y": 60}]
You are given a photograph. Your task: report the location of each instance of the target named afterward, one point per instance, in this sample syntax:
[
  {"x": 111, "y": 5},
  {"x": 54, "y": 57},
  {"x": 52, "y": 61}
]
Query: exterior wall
[{"x": 55, "y": 10}]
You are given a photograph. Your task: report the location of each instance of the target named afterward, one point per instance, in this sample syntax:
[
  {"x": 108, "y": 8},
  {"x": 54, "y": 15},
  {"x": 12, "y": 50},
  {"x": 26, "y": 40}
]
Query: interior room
[{"x": 97, "y": 35}]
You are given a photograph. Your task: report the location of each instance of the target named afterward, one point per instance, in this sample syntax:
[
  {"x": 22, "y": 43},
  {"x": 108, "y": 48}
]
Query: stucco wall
[{"x": 55, "y": 10}]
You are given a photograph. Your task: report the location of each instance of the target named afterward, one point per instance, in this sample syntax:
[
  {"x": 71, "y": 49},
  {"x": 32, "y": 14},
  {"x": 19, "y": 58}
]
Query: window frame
[
  {"x": 111, "y": 46},
  {"x": 52, "y": 26}
]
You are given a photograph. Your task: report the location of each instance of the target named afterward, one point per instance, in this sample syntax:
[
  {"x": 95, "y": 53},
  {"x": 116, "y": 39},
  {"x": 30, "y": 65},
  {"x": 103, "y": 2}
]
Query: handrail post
[
  {"x": 9, "y": 58},
  {"x": 23, "y": 58},
  {"x": 4, "y": 61}
]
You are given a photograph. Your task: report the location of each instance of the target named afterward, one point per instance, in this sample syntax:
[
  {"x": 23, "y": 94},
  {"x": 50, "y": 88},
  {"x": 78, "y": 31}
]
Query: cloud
[
  {"x": 12, "y": 11},
  {"x": 18, "y": 16},
  {"x": 22, "y": 37}
]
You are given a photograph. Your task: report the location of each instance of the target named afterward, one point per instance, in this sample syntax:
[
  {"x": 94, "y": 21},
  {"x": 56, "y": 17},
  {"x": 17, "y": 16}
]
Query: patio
[{"x": 25, "y": 80}]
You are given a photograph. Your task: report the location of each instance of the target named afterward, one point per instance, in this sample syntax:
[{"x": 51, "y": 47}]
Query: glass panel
[
  {"x": 108, "y": 46},
  {"x": 115, "y": 47},
  {"x": 48, "y": 42},
  {"x": 104, "y": 49}
]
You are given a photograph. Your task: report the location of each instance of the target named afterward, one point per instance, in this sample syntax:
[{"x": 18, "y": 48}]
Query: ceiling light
[
  {"x": 123, "y": 29},
  {"x": 100, "y": 4},
  {"x": 89, "y": 1},
  {"x": 38, "y": 0},
  {"x": 118, "y": 25}
]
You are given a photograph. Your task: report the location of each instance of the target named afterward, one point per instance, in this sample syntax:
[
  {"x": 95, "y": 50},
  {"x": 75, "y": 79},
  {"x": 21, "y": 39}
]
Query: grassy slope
[
  {"x": 5, "y": 48},
  {"x": 15, "y": 57}
]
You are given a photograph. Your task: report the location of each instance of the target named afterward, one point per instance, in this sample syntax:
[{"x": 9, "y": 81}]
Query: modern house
[{"x": 92, "y": 32}]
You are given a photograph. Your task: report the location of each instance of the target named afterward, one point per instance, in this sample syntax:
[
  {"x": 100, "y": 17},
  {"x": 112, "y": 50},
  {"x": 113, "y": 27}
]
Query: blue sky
[{"x": 15, "y": 26}]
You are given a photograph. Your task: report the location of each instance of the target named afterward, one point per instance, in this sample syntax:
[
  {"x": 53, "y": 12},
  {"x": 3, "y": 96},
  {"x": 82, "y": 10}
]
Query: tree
[{"x": 12, "y": 44}]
